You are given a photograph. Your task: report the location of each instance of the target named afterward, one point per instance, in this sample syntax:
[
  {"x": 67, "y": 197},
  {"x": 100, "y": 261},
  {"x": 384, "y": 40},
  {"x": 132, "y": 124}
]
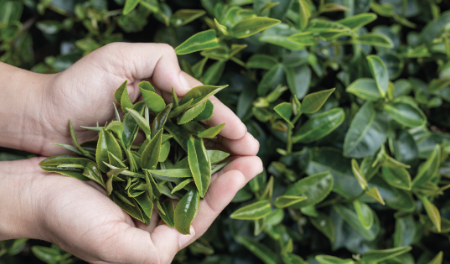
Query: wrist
[
  {"x": 20, "y": 122},
  {"x": 20, "y": 215}
]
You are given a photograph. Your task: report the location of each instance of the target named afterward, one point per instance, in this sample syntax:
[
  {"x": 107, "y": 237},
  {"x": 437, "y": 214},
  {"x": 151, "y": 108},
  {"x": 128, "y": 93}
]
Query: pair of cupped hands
[{"x": 78, "y": 216}]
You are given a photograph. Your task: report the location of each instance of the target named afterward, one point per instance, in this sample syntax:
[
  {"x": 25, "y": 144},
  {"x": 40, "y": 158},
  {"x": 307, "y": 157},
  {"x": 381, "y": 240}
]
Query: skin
[{"x": 78, "y": 216}]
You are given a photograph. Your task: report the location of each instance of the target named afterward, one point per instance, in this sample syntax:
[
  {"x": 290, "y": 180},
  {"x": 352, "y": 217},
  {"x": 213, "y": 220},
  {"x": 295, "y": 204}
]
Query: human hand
[
  {"x": 84, "y": 93},
  {"x": 80, "y": 218},
  {"x": 75, "y": 215}
]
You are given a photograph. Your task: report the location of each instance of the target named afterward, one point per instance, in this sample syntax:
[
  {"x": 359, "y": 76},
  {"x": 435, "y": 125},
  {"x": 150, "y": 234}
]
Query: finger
[
  {"x": 246, "y": 146},
  {"x": 234, "y": 128},
  {"x": 248, "y": 166},
  {"x": 169, "y": 241},
  {"x": 139, "y": 61},
  {"x": 219, "y": 195}
]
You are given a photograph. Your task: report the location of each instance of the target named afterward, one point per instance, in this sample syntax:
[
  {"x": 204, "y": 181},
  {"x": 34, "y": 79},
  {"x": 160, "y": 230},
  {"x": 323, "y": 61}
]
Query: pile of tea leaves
[{"x": 172, "y": 161}]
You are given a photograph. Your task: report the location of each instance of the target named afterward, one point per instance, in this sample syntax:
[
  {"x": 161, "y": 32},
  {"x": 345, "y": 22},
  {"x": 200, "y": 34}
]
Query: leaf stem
[{"x": 289, "y": 141}]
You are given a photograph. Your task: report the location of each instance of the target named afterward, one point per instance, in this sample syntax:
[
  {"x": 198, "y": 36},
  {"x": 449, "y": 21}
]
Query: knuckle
[{"x": 167, "y": 49}]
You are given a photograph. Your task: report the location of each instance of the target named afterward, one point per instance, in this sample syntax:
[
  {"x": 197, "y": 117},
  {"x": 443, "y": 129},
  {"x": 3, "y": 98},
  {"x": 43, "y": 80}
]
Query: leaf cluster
[{"x": 138, "y": 175}]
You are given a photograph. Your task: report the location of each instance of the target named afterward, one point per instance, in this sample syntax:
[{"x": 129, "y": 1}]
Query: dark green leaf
[
  {"x": 368, "y": 131},
  {"x": 319, "y": 126},
  {"x": 315, "y": 188}
]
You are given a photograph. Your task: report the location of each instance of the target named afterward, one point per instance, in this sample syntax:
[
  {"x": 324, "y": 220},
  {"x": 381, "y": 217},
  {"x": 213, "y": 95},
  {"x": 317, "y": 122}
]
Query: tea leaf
[
  {"x": 211, "y": 132},
  {"x": 365, "y": 89},
  {"x": 200, "y": 41},
  {"x": 201, "y": 93},
  {"x": 250, "y": 26},
  {"x": 313, "y": 102},
  {"x": 324, "y": 224},
  {"x": 428, "y": 169},
  {"x": 150, "y": 154},
  {"x": 365, "y": 214},
  {"x": 376, "y": 256},
  {"x": 191, "y": 113},
  {"x": 406, "y": 114},
  {"x": 315, "y": 188},
  {"x": 106, "y": 142},
  {"x": 379, "y": 73},
  {"x": 286, "y": 200},
  {"x": 368, "y": 131},
  {"x": 358, "y": 21},
  {"x": 207, "y": 112},
  {"x": 186, "y": 210},
  {"x": 167, "y": 212},
  {"x": 432, "y": 212},
  {"x": 319, "y": 126},
  {"x": 199, "y": 164},
  {"x": 253, "y": 211},
  {"x": 397, "y": 177},
  {"x": 129, "y": 6}
]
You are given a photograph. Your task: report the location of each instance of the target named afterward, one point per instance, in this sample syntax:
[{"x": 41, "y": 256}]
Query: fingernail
[
  {"x": 185, "y": 239},
  {"x": 183, "y": 81}
]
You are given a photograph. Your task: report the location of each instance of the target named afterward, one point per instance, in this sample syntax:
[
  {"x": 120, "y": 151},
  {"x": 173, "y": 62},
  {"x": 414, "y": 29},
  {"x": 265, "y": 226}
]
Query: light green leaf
[
  {"x": 250, "y": 26},
  {"x": 200, "y": 41},
  {"x": 285, "y": 111},
  {"x": 324, "y": 259},
  {"x": 365, "y": 89},
  {"x": 397, "y": 177},
  {"x": 406, "y": 114},
  {"x": 379, "y": 73},
  {"x": 191, "y": 113},
  {"x": 185, "y": 16},
  {"x": 130, "y": 5},
  {"x": 253, "y": 211},
  {"x": 365, "y": 214},
  {"x": 199, "y": 164},
  {"x": 374, "y": 39},
  {"x": 376, "y": 256},
  {"x": 432, "y": 212},
  {"x": 437, "y": 259},
  {"x": 211, "y": 132},
  {"x": 358, "y": 21},
  {"x": 305, "y": 13},
  {"x": 429, "y": 168},
  {"x": 287, "y": 200}
]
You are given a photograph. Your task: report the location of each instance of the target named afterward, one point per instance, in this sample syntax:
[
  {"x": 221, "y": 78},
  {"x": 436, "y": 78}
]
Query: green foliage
[{"x": 348, "y": 99}]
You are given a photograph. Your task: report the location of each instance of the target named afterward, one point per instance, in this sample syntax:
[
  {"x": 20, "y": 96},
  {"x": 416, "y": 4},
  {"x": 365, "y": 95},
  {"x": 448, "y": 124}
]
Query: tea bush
[{"x": 348, "y": 99}]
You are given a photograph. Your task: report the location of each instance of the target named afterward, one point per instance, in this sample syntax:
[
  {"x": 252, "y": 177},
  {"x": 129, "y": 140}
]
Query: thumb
[
  {"x": 132, "y": 245},
  {"x": 142, "y": 61}
]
